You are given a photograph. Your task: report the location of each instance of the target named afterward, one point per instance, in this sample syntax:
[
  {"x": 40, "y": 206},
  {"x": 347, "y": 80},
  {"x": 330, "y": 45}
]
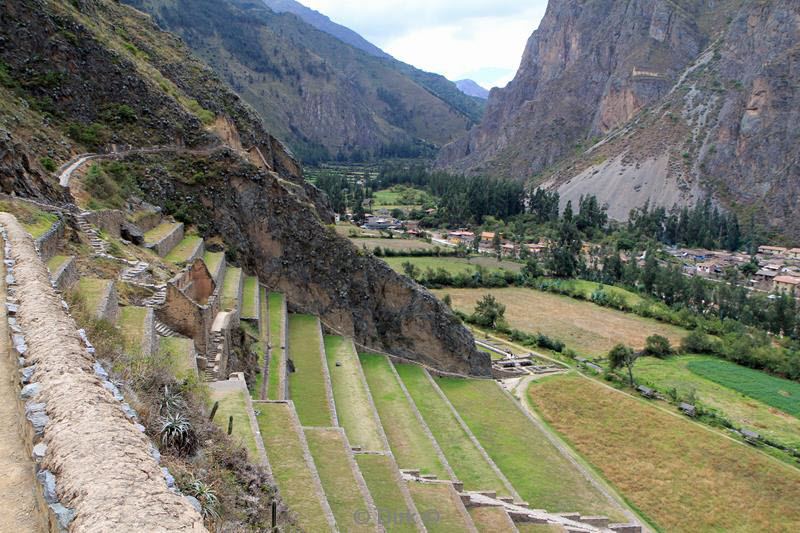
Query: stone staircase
[
  {"x": 164, "y": 330},
  {"x": 99, "y": 246},
  {"x": 159, "y": 296}
]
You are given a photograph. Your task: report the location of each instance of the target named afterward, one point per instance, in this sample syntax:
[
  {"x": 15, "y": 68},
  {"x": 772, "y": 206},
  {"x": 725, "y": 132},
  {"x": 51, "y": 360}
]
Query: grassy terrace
[
  {"x": 352, "y": 403},
  {"x": 34, "y": 220},
  {"x": 393, "y": 244},
  {"x": 261, "y": 345},
  {"x": 159, "y": 232},
  {"x": 438, "y": 505},
  {"x": 678, "y": 473},
  {"x": 684, "y": 374},
  {"x": 213, "y": 260},
  {"x": 234, "y": 403},
  {"x": 289, "y": 468},
  {"x": 585, "y": 327},
  {"x": 230, "y": 289},
  {"x": 539, "y": 528},
  {"x": 176, "y": 351},
  {"x": 464, "y": 458},
  {"x": 536, "y": 469},
  {"x": 55, "y": 262},
  {"x": 380, "y": 475},
  {"x": 491, "y": 520},
  {"x": 131, "y": 322},
  {"x": 454, "y": 265},
  {"x": 338, "y": 479},
  {"x": 92, "y": 291},
  {"x": 181, "y": 253},
  {"x": 249, "y": 308},
  {"x": 410, "y": 445},
  {"x": 307, "y": 382},
  {"x": 275, "y": 338}
]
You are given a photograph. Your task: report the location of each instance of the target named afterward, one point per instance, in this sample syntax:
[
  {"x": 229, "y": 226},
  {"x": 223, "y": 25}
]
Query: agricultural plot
[
  {"x": 777, "y": 392},
  {"x": 177, "y": 352},
  {"x": 329, "y": 451},
  {"x": 292, "y": 474},
  {"x": 307, "y": 382},
  {"x": 353, "y": 407},
  {"x": 411, "y": 446},
  {"x": 92, "y": 291},
  {"x": 213, "y": 260},
  {"x": 132, "y": 326},
  {"x": 276, "y": 340},
  {"x": 729, "y": 397},
  {"x": 681, "y": 475},
  {"x": 491, "y": 520},
  {"x": 184, "y": 249},
  {"x": 454, "y": 265},
  {"x": 536, "y": 469},
  {"x": 233, "y": 403},
  {"x": 159, "y": 232},
  {"x": 462, "y": 455},
  {"x": 393, "y": 244},
  {"x": 384, "y": 486},
  {"x": 438, "y": 505},
  {"x": 249, "y": 292},
  {"x": 230, "y": 289},
  {"x": 583, "y": 326}
]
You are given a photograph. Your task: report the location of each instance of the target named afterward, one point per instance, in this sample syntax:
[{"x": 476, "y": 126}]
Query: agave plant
[
  {"x": 171, "y": 401},
  {"x": 205, "y": 495},
  {"x": 177, "y": 432}
]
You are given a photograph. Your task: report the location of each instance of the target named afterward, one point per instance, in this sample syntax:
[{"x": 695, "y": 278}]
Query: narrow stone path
[{"x": 17, "y": 497}]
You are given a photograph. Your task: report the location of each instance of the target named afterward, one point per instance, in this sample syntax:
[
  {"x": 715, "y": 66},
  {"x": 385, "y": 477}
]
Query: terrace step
[
  {"x": 232, "y": 290},
  {"x": 492, "y": 520},
  {"x": 99, "y": 246},
  {"x": 440, "y": 506},
  {"x": 138, "y": 330},
  {"x": 164, "y": 238},
  {"x": 164, "y": 330},
  {"x": 234, "y": 401},
  {"x": 158, "y": 298},
  {"x": 190, "y": 248}
]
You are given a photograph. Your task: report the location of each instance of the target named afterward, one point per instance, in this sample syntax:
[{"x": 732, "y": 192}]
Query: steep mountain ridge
[
  {"x": 323, "y": 97},
  {"x": 85, "y": 76},
  {"x": 471, "y": 88}
]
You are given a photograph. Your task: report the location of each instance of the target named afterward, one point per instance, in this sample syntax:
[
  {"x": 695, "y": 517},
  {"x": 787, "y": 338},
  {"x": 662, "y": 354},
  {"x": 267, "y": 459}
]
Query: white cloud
[{"x": 479, "y": 39}]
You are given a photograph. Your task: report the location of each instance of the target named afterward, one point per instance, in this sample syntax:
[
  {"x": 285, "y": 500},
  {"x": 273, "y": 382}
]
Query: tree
[
  {"x": 489, "y": 312},
  {"x": 496, "y": 245},
  {"x": 410, "y": 270},
  {"x": 448, "y": 301},
  {"x": 532, "y": 270},
  {"x": 476, "y": 242},
  {"x": 622, "y": 356},
  {"x": 564, "y": 253},
  {"x": 658, "y": 346}
]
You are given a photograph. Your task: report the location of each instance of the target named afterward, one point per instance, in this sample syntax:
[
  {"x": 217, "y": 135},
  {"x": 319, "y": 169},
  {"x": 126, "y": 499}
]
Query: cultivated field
[
  {"x": 438, "y": 506},
  {"x": 535, "y": 468},
  {"x": 393, "y": 244},
  {"x": 249, "y": 309},
  {"x": 585, "y": 327},
  {"x": 384, "y": 486},
  {"x": 463, "y": 456},
  {"x": 275, "y": 338},
  {"x": 307, "y": 382},
  {"x": 454, "y": 265},
  {"x": 681, "y": 475},
  {"x": 410, "y": 445},
  {"x": 230, "y": 289},
  {"x": 338, "y": 480},
  {"x": 175, "y": 351},
  {"x": 742, "y": 410},
  {"x": 181, "y": 252},
  {"x": 234, "y": 404},
  {"x": 491, "y": 520},
  {"x": 352, "y": 403}
]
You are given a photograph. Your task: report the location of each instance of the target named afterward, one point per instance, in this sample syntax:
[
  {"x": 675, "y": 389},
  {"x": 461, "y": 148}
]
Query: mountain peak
[{"x": 471, "y": 88}]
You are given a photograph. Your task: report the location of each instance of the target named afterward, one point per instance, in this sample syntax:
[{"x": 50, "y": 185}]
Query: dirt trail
[{"x": 17, "y": 501}]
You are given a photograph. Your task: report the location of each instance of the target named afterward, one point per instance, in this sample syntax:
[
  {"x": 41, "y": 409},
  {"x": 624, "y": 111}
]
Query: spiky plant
[
  {"x": 171, "y": 401},
  {"x": 205, "y": 495},
  {"x": 178, "y": 433}
]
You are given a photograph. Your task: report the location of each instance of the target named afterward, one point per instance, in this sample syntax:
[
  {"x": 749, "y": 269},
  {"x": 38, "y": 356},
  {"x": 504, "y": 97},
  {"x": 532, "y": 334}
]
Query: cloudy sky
[{"x": 478, "y": 39}]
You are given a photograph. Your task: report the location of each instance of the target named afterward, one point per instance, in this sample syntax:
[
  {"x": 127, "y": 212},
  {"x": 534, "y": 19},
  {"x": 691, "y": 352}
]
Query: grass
[
  {"x": 393, "y": 244},
  {"x": 438, "y": 506},
  {"x": 261, "y": 345},
  {"x": 275, "y": 336},
  {"x": 230, "y": 289},
  {"x": 213, "y": 260},
  {"x": 777, "y": 392},
  {"x": 338, "y": 480},
  {"x": 34, "y": 220},
  {"x": 289, "y": 468},
  {"x": 454, "y": 265},
  {"x": 682, "y": 476},
  {"x": 159, "y": 232},
  {"x": 55, "y": 262},
  {"x": 585, "y": 327},
  {"x": 181, "y": 253},
  {"x": 410, "y": 445},
  {"x": 527, "y": 527},
  {"x": 391, "y": 197},
  {"x": 353, "y": 407},
  {"x": 737, "y": 406},
  {"x": 307, "y": 382},
  {"x": 537, "y": 470},
  {"x": 463, "y": 456},
  {"x": 234, "y": 403},
  {"x": 131, "y": 323},
  {"x": 249, "y": 308},
  {"x": 176, "y": 350},
  {"x": 491, "y": 520},
  {"x": 588, "y": 287},
  {"x": 383, "y": 485}
]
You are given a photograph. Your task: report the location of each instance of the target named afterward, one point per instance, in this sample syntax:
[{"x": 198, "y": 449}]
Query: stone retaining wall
[
  {"x": 109, "y": 305},
  {"x": 99, "y": 471},
  {"x": 198, "y": 252},
  {"x": 148, "y": 221},
  {"x": 181, "y": 310},
  {"x": 108, "y": 220},
  {"x": 168, "y": 241},
  {"x": 47, "y": 244},
  {"x": 66, "y": 274}
]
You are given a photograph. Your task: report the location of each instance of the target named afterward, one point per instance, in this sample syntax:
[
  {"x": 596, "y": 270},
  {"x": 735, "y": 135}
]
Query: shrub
[
  {"x": 205, "y": 495},
  {"x": 658, "y": 346},
  {"x": 48, "y": 164},
  {"x": 698, "y": 342},
  {"x": 178, "y": 433}
]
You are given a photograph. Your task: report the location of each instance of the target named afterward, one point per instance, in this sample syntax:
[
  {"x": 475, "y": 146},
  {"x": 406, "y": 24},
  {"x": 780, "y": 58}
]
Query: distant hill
[
  {"x": 323, "y": 23},
  {"x": 470, "y": 88}
]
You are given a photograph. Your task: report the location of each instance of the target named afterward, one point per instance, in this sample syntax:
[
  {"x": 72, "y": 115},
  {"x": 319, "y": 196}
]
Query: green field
[
  {"x": 394, "y": 197},
  {"x": 438, "y": 505},
  {"x": 289, "y": 468},
  {"x": 180, "y": 254},
  {"x": 92, "y": 291},
  {"x": 536, "y": 469},
  {"x": 213, "y": 260},
  {"x": 738, "y": 407},
  {"x": 34, "y": 220},
  {"x": 249, "y": 308},
  {"x": 55, "y": 262},
  {"x": 384, "y": 486},
  {"x": 583, "y": 326},
  {"x": 307, "y": 382},
  {"x": 454, "y": 265},
  {"x": 159, "y": 232},
  {"x": 131, "y": 323},
  {"x": 779, "y": 393},
  {"x": 276, "y": 339},
  {"x": 261, "y": 345},
  {"x": 353, "y": 408},
  {"x": 230, "y": 289},
  {"x": 588, "y": 287},
  {"x": 681, "y": 475},
  {"x": 463, "y": 456},
  {"x": 396, "y": 244},
  {"x": 491, "y": 520},
  {"x": 338, "y": 480},
  {"x": 176, "y": 351},
  {"x": 234, "y": 403},
  {"x": 410, "y": 445}
]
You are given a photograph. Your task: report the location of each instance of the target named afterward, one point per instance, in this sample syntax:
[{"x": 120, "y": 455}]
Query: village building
[
  {"x": 487, "y": 238},
  {"x": 772, "y": 250},
  {"x": 460, "y": 237},
  {"x": 536, "y": 248},
  {"x": 793, "y": 253},
  {"x": 789, "y": 284}
]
